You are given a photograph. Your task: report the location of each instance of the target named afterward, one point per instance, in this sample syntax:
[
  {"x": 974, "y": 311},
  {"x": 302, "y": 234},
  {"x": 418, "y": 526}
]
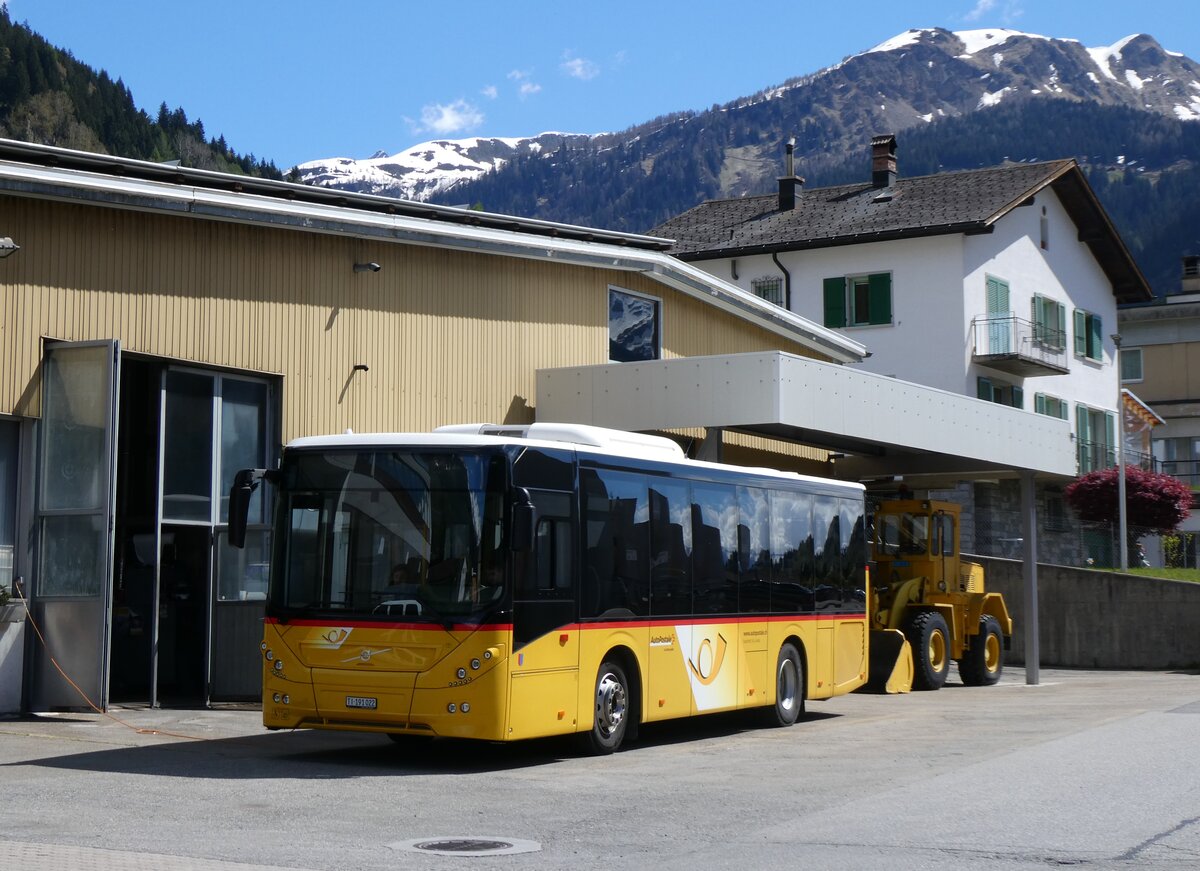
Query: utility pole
[{"x": 1121, "y": 518}]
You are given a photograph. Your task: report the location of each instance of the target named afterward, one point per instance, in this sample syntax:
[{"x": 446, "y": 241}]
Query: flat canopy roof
[{"x": 882, "y": 426}]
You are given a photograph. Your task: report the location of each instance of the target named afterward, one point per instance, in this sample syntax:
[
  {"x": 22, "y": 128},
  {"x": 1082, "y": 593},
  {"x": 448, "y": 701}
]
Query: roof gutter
[{"x": 170, "y": 196}]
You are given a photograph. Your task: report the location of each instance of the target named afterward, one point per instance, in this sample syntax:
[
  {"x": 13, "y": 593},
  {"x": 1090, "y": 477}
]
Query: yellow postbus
[{"x": 504, "y": 583}]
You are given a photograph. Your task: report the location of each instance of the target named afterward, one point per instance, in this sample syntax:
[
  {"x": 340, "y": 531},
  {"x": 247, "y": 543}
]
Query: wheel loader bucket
[{"x": 890, "y": 663}]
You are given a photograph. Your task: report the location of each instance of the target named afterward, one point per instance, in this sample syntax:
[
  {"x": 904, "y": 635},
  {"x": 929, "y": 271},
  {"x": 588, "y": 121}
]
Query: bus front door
[{"x": 545, "y": 657}]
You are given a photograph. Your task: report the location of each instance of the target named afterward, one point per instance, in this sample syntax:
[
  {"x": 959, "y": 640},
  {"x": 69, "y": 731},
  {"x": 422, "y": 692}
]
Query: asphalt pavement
[{"x": 1088, "y": 769}]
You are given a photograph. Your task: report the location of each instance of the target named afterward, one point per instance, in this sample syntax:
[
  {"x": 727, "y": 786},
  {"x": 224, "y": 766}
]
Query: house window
[
  {"x": 1054, "y": 514},
  {"x": 1049, "y": 322},
  {"x": 634, "y": 328},
  {"x": 1044, "y": 403},
  {"x": 1131, "y": 364},
  {"x": 770, "y": 289},
  {"x": 858, "y": 300},
  {"x": 1095, "y": 434},
  {"x": 1045, "y": 228},
  {"x": 999, "y": 392},
  {"x": 1089, "y": 335}
]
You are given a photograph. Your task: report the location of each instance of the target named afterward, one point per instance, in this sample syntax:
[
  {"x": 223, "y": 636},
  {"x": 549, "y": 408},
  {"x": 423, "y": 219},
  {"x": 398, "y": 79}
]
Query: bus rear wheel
[
  {"x": 789, "y": 688},
  {"x": 612, "y": 708}
]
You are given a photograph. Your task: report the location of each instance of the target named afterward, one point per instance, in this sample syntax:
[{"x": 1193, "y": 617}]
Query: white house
[{"x": 1000, "y": 283}]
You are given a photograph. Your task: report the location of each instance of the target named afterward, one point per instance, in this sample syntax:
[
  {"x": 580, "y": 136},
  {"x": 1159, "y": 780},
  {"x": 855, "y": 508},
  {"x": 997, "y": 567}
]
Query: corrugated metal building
[{"x": 163, "y": 328}]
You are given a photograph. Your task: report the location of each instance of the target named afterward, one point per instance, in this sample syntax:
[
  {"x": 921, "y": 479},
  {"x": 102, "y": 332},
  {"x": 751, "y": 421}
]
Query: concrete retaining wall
[{"x": 1092, "y": 619}]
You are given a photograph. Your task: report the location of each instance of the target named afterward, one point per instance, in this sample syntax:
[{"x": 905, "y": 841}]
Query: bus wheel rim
[
  {"x": 789, "y": 682},
  {"x": 610, "y": 703}
]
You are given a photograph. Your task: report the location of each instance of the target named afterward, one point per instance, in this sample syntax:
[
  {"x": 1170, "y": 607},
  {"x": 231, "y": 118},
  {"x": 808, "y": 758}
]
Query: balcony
[
  {"x": 1018, "y": 347},
  {"x": 1094, "y": 456}
]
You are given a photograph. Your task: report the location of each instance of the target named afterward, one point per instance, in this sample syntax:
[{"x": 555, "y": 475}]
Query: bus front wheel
[
  {"x": 789, "y": 688},
  {"x": 612, "y": 708}
]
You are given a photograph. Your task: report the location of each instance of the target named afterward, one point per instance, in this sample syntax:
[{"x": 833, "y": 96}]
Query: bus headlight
[
  {"x": 451, "y": 707},
  {"x": 465, "y": 707},
  {"x": 462, "y": 672},
  {"x": 475, "y": 664},
  {"x": 279, "y": 665}
]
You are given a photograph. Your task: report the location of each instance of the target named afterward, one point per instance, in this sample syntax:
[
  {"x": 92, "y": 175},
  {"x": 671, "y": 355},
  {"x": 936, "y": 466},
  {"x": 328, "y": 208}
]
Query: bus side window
[
  {"x": 553, "y": 554},
  {"x": 549, "y": 571}
]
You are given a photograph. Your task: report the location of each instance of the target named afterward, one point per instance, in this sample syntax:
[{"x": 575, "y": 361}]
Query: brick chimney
[
  {"x": 883, "y": 160},
  {"x": 790, "y": 183}
]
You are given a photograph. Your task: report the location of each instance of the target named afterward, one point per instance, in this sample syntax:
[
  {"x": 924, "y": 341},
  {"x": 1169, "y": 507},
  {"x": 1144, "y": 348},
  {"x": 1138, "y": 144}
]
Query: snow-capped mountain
[
  {"x": 429, "y": 168},
  {"x": 915, "y": 78},
  {"x": 994, "y": 65}
]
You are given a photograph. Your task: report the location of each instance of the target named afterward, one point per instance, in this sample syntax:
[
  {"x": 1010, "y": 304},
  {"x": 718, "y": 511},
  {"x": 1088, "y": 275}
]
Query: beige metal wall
[
  {"x": 1172, "y": 372},
  {"x": 448, "y": 336}
]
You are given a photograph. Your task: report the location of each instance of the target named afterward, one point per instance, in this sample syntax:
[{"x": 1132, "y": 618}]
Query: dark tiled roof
[
  {"x": 970, "y": 201},
  {"x": 945, "y": 203}
]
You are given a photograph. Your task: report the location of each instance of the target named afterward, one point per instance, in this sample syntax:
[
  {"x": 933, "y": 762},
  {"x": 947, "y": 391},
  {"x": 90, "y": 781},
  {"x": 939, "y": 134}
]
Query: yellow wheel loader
[{"x": 928, "y": 606}]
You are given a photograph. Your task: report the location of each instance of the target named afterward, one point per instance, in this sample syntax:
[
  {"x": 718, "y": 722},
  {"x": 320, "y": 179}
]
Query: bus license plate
[{"x": 361, "y": 702}]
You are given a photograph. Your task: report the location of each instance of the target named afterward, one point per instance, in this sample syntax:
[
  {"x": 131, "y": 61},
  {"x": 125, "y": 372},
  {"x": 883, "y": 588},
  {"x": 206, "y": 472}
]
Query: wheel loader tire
[
  {"x": 926, "y": 631},
  {"x": 983, "y": 662}
]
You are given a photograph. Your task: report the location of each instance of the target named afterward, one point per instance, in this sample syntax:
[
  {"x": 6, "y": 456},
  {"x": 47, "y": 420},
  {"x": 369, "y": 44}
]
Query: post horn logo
[{"x": 709, "y": 661}]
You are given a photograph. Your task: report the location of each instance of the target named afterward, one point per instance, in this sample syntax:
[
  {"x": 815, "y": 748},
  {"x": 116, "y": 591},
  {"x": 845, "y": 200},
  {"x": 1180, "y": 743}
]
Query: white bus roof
[{"x": 588, "y": 439}]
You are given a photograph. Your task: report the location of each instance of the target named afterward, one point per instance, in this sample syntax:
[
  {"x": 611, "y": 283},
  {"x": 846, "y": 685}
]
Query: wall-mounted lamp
[
  {"x": 367, "y": 267},
  {"x": 8, "y": 246},
  {"x": 361, "y": 367}
]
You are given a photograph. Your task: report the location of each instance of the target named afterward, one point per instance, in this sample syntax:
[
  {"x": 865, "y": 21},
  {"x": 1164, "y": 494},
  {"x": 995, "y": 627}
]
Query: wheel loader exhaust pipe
[{"x": 890, "y": 663}]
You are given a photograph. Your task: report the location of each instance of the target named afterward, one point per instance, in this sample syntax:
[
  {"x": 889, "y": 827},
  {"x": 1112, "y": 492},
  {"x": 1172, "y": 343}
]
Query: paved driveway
[{"x": 1090, "y": 769}]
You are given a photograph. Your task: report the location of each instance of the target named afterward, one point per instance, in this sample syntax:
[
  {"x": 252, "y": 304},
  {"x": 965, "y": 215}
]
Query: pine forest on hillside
[
  {"x": 48, "y": 97},
  {"x": 1144, "y": 167}
]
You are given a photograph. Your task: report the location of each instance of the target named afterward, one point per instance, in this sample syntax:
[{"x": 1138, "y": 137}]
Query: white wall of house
[
  {"x": 1065, "y": 271},
  {"x": 925, "y": 343},
  {"x": 939, "y": 285}
]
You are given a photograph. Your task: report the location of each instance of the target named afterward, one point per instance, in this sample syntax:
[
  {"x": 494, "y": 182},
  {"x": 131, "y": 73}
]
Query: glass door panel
[
  {"x": 188, "y": 447},
  {"x": 77, "y": 446}
]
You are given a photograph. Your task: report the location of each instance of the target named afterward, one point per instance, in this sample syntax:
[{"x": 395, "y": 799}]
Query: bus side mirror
[
  {"x": 245, "y": 483},
  {"x": 521, "y": 534}
]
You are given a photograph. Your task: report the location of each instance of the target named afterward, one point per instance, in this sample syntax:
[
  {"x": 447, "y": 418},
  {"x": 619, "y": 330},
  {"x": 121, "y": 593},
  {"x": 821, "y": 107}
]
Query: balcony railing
[
  {"x": 1094, "y": 456},
  {"x": 1187, "y": 471},
  {"x": 1017, "y": 346}
]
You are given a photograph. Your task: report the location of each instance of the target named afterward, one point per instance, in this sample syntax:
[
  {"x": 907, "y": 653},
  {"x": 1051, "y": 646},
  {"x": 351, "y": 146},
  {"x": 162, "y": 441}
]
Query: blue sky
[{"x": 299, "y": 80}]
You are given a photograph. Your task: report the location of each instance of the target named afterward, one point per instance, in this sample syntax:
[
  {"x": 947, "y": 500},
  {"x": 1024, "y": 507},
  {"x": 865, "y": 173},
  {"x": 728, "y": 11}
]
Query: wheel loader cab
[{"x": 917, "y": 539}]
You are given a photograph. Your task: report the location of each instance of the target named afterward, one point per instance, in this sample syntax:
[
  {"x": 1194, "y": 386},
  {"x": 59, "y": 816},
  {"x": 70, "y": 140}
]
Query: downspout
[{"x": 787, "y": 281}]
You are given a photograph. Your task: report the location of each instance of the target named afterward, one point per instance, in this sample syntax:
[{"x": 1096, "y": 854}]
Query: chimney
[
  {"x": 883, "y": 160},
  {"x": 1190, "y": 282},
  {"x": 790, "y": 183}
]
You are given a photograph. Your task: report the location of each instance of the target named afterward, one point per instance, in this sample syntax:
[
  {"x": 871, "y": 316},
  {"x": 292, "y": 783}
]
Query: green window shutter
[
  {"x": 1039, "y": 403},
  {"x": 1081, "y": 332},
  {"x": 1061, "y": 339},
  {"x": 983, "y": 388},
  {"x": 1096, "y": 337},
  {"x": 1062, "y": 409},
  {"x": 835, "y": 302},
  {"x": 879, "y": 298},
  {"x": 1018, "y": 397},
  {"x": 1082, "y": 440},
  {"x": 1110, "y": 429},
  {"x": 1036, "y": 316},
  {"x": 997, "y": 296}
]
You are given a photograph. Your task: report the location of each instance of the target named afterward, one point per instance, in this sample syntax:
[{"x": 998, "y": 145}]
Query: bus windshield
[{"x": 412, "y": 535}]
